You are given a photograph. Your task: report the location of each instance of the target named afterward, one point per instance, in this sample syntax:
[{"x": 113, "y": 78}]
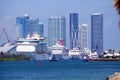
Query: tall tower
[
  {"x": 20, "y": 25},
  {"x": 56, "y": 30},
  {"x": 83, "y": 36},
  {"x": 97, "y": 32},
  {"x": 73, "y": 30}
]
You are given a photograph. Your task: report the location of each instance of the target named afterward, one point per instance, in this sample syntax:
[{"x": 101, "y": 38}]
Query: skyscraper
[
  {"x": 56, "y": 30},
  {"x": 20, "y": 26},
  {"x": 83, "y": 36},
  {"x": 73, "y": 30},
  {"x": 27, "y": 26},
  {"x": 97, "y": 32},
  {"x": 32, "y": 26}
]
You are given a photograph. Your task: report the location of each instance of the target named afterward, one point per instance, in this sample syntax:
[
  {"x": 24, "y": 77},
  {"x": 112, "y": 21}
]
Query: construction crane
[{"x": 4, "y": 31}]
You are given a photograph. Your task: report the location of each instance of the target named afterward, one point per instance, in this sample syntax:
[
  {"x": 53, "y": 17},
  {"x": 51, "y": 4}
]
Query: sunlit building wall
[
  {"x": 56, "y": 30},
  {"x": 83, "y": 36}
]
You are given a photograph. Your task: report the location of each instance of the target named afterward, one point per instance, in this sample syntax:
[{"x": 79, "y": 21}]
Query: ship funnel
[{"x": 60, "y": 42}]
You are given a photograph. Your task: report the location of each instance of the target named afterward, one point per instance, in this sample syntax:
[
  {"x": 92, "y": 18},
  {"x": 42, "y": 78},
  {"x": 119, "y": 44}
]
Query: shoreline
[
  {"x": 13, "y": 57},
  {"x": 101, "y": 59}
]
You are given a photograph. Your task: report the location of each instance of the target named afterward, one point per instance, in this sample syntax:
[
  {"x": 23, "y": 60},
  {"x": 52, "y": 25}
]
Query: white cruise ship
[
  {"x": 35, "y": 47},
  {"x": 59, "y": 51}
]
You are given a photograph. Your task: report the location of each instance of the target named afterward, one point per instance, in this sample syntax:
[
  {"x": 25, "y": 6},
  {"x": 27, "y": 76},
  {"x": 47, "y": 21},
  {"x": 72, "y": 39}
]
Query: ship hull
[{"x": 97, "y": 60}]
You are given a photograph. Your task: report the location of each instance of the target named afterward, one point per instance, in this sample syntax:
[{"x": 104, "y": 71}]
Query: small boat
[{"x": 53, "y": 58}]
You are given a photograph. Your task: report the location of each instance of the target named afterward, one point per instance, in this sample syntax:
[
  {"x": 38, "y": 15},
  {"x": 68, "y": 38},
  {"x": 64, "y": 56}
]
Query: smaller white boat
[
  {"x": 53, "y": 58},
  {"x": 74, "y": 53},
  {"x": 59, "y": 51}
]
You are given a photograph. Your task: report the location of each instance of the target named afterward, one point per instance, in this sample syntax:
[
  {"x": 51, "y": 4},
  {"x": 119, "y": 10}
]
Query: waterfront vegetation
[{"x": 13, "y": 57}]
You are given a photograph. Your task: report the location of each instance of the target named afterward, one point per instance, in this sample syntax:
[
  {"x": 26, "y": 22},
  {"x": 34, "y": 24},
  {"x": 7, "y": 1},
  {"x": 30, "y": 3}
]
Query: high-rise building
[
  {"x": 73, "y": 30},
  {"x": 97, "y": 32},
  {"x": 32, "y": 26},
  {"x": 83, "y": 36},
  {"x": 26, "y": 26},
  {"x": 20, "y": 26},
  {"x": 57, "y": 31}
]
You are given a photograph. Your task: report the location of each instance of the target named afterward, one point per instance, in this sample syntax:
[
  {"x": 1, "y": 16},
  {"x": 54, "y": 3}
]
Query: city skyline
[{"x": 43, "y": 9}]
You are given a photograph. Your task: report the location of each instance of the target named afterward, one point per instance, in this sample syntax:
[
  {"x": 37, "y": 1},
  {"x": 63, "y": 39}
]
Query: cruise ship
[
  {"x": 34, "y": 47},
  {"x": 59, "y": 51}
]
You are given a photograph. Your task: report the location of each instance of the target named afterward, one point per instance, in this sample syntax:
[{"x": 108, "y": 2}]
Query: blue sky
[{"x": 43, "y": 9}]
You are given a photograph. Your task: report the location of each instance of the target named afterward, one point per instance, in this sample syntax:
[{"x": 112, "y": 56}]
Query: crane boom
[
  {"x": 6, "y": 35},
  {"x": 4, "y": 31}
]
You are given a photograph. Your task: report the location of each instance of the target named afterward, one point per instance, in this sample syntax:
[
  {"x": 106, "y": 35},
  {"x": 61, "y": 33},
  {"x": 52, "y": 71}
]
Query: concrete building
[
  {"x": 57, "y": 31},
  {"x": 83, "y": 36}
]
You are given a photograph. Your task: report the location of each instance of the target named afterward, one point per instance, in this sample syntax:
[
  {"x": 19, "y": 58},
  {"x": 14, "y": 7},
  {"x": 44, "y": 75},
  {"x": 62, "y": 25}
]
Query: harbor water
[{"x": 60, "y": 70}]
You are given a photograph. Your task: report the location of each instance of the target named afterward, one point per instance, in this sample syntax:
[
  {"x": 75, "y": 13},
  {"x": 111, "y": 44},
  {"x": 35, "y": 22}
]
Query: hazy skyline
[{"x": 43, "y": 9}]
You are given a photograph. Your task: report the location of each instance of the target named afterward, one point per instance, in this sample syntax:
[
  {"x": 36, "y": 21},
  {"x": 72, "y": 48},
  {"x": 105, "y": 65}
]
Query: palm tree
[{"x": 117, "y": 5}]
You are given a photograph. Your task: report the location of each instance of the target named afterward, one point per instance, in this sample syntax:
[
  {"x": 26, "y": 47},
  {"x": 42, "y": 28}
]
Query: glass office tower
[
  {"x": 73, "y": 30},
  {"x": 20, "y": 26},
  {"x": 25, "y": 26},
  {"x": 97, "y": 32},
  {"x": 56, "y": 31},
  {"x": 32, "y": 26}
]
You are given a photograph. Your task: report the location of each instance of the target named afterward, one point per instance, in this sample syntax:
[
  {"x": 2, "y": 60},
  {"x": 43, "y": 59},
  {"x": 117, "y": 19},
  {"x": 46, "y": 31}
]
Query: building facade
[
  {"x": 32, "y": 26},
  {"x": 97, "y": 32},
  {"x": 20, "y": 26},
  {"x": 57, "y": 31},
  {"x": 83, "y": 36},
  {"x": 73, "y": 33},
  {"x": 25, "y": 26}
]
